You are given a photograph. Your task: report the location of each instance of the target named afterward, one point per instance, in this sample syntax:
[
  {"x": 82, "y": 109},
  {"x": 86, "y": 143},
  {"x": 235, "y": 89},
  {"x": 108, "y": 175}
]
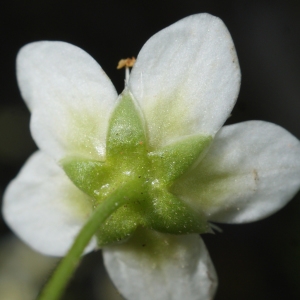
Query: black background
[{"x": 254, "y": 261}]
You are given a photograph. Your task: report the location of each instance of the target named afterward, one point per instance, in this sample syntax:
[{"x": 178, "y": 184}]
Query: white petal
[
  {"x": 186, "y": 79},
  {"x": 251, "y": 171},
  {"x": 70, "y": 98},
  {"x": 179, "y": 267},
  {"x": 44, "y": 208}
]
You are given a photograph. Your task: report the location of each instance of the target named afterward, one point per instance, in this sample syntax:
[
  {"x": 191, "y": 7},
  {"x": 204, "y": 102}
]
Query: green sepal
[
  {"x": 173, "y": 160},
  {"x": 126, "y": 134},
  {"x": 123, "y": 223},
  {"x": 169, "y": 214},
  {"x": 88, "y": 175}
]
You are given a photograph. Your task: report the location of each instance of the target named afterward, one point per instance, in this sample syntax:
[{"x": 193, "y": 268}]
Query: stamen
[{"x": 127, "y": 63}]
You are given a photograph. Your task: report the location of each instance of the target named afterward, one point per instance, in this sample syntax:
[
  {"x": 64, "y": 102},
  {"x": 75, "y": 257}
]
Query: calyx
[{"x": 151, "y": 171}]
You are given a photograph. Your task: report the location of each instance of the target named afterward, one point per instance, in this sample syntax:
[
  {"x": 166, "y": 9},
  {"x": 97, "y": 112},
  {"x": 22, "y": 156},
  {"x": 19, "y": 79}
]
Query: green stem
[{"x": 54, "y": 288}]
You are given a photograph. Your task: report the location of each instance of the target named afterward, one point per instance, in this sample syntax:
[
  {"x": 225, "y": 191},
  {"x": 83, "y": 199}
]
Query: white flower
[{"x": 184, "y": 84}]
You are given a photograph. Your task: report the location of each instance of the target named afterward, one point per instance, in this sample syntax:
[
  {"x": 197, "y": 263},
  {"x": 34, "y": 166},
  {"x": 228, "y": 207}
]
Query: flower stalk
[{"x": 55, "y": 287}]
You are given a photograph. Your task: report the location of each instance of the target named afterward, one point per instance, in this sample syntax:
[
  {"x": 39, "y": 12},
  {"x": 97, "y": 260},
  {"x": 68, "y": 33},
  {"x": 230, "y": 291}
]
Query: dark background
[{"x": 254, "y": 261}]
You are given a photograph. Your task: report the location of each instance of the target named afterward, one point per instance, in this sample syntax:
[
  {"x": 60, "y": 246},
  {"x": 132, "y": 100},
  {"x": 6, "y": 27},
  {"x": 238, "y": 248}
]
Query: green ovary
[{"x": 129, "y": 159}]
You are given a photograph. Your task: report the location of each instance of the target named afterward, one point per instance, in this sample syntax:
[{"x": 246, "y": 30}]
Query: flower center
[{"x": 152, "y": 172}]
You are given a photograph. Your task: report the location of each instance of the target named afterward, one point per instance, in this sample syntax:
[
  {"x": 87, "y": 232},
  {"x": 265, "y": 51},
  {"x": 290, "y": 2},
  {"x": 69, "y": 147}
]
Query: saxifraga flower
[{"x": 163, "y": 133}]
